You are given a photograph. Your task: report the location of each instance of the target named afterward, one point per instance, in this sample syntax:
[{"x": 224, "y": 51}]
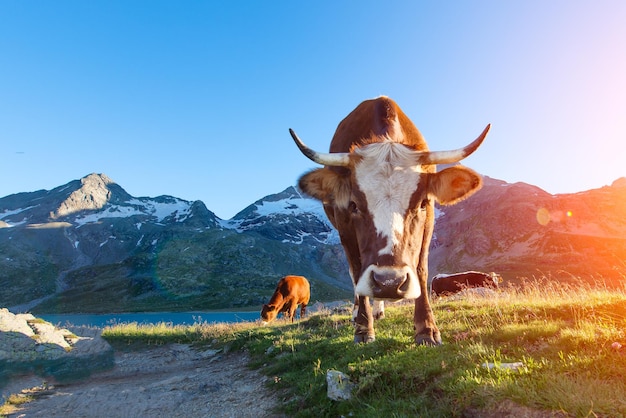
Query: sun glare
[{"x": 544, "y": 216}]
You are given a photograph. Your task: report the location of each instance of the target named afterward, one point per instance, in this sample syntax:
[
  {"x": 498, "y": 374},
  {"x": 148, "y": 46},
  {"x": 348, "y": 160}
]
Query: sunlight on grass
[
  {"x": 155, "y": 334},
  {"x": 165, "y": 333},
  {"x": 564, "y": 336},
  {"x": 13, "y": 402},
  {"x": 567, "y": 338}
]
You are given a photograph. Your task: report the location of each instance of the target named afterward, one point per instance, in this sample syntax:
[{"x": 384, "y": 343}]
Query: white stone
[
  {"x": 339, "y": 385},
  {"x": 509, "y": 366}
]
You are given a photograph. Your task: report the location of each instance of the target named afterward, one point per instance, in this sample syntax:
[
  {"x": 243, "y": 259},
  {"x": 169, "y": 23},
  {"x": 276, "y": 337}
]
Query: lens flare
[{"x": 543, "y": 216}]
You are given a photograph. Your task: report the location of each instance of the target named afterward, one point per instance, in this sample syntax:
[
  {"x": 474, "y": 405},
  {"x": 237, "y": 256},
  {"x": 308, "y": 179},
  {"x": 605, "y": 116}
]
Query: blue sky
[{"x": 194, "y": 98}]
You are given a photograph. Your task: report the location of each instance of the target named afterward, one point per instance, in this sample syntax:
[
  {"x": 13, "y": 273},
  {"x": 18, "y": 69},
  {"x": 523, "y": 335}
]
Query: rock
[
  {"x": 29, "y": 345},
  {"x": 506, "y": 366},
  {"x": 339, "y": 385},
  {"x": 17, "y": 323}
]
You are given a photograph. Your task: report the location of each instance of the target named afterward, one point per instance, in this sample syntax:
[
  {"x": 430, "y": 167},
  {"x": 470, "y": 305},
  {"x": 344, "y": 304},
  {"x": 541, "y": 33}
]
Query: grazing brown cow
[
  {"x": 290, "y": 292},
  {"x": 448, "y": 284},
  {"x": 378, "y": 186}
]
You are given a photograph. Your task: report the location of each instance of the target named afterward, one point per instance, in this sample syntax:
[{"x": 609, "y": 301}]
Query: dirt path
[{"x": 166, "y": 381}]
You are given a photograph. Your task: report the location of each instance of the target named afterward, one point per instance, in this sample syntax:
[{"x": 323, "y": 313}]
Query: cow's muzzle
[{"x": 388, "y": 283}]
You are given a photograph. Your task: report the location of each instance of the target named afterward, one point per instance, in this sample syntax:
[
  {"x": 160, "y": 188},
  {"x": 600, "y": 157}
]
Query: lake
[{"x": 175, "y": 318}]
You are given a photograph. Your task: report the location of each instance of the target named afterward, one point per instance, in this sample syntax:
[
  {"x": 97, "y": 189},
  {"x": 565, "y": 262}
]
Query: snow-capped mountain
[
  {"x": 288, "y": 216},
  {"x": 89, "y": 246},
  {"x": 96, "y": 197},
  {"x": 59, "y": 245}
]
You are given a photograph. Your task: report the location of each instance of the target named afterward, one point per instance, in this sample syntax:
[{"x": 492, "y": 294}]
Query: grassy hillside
[
  {"x": 566, "y": 337},
  {"x": 201, "y": 271}
]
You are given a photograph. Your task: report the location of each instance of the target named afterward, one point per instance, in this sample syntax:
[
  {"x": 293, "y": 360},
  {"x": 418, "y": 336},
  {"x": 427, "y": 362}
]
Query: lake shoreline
[
  {"x": 100, "y": 320},
  {"x": 174, "y": 318}
]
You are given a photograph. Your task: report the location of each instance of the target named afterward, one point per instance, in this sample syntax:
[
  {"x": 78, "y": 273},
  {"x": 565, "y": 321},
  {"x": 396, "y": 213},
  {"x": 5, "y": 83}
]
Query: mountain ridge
[
  {"x": 63, "y": 245},
  {"x": 90, "y": 246}
]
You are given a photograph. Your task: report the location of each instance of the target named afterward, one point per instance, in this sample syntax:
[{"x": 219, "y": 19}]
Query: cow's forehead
[{"x": 388, "y": 177}]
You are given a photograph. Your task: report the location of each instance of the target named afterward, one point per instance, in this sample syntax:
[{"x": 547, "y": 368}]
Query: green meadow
[
  {"x": 567, "y": 338},
  {"x": 544, "y": 349}
]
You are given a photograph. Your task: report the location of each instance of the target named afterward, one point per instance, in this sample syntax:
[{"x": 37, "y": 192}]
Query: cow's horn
[
  {"x": 448, "y": 157},
  {"x": 340, "y": 159}
]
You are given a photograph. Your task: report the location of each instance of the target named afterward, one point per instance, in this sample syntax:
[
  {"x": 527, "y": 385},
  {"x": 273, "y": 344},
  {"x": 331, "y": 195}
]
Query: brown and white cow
[
  {"x": 448, "y": 284},
  {"x": 290, "y": 292},
  {"x": 378, "y": 188}
]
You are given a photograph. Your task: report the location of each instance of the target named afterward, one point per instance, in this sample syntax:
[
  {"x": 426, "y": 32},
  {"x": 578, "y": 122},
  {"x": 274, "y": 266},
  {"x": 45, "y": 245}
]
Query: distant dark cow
[
  {"x": 379, "y": 186},
  {"x": 447, "y": 284},
  {"x": 290, "y": 292}
]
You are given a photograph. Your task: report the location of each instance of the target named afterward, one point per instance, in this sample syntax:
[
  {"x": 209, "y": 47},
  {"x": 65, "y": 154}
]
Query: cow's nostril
[{"x": 404, "y": 286}]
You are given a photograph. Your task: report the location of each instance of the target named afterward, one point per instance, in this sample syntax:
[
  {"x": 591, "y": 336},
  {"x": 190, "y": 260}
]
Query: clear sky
[{"x": 195, "y": 98}]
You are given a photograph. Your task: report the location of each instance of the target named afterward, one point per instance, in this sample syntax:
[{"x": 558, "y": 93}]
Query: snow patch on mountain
[
  {"x": 177, "y": 209},
  {"x": 292, "y": 217},
  {"x": 7, "y": 213},
  {"x": 294, "y": 206}
]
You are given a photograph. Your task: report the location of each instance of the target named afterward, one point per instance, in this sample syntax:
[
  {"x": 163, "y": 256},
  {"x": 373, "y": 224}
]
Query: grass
[
  {"x": 133, "y": 335},
  {"x": 12, "y": 403},
  {"x": 563, "y": 335}
]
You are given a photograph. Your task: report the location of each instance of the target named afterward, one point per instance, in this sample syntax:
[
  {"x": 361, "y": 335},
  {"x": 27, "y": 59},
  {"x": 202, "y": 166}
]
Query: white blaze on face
[{"x": 388, "y": 177}]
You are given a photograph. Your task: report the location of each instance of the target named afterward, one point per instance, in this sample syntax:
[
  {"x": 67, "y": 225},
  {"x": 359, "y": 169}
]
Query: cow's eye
[
  {"x": 424, "y": 204},
  {"x": 352, "y": 208}
]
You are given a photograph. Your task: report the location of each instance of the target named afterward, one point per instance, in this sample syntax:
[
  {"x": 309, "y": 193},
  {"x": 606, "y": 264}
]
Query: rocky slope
[{"x": 520, "y": 230}]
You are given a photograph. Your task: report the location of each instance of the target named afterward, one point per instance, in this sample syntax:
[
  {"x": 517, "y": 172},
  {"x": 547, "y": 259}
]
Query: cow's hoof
[
  {"x": 358, "y": 339},
  {"x": 429, "y": 340},
  {"x": 379, "y": 315}
]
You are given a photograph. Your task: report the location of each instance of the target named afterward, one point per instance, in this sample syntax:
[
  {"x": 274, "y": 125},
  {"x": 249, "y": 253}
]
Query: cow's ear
[
  {"x": 326, "y": 185},
  {"x": 455, "y": 184}
]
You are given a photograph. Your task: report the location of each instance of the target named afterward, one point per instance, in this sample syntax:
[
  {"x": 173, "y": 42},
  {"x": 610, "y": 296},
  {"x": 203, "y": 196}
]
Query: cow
[
  {"x": 378, "y": 187},
  {"x": 290, "y": 292},
  {"x": 447, "y": 284}
]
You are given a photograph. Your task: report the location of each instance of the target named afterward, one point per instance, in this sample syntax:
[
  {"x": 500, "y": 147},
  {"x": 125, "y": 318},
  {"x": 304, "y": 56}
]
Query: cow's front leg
[
  {"x": 426, "y": 331},
  {"x": 364, "y": 322},
  {"x": 292, "y": 311},
  {"x": 379, "y": 309}
]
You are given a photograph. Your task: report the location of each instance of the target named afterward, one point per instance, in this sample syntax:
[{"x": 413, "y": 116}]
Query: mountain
[
  {"x": 89, "y": 246},
  {"x": 522, "y": 232},
  {"x": 287, "y": 216}
]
